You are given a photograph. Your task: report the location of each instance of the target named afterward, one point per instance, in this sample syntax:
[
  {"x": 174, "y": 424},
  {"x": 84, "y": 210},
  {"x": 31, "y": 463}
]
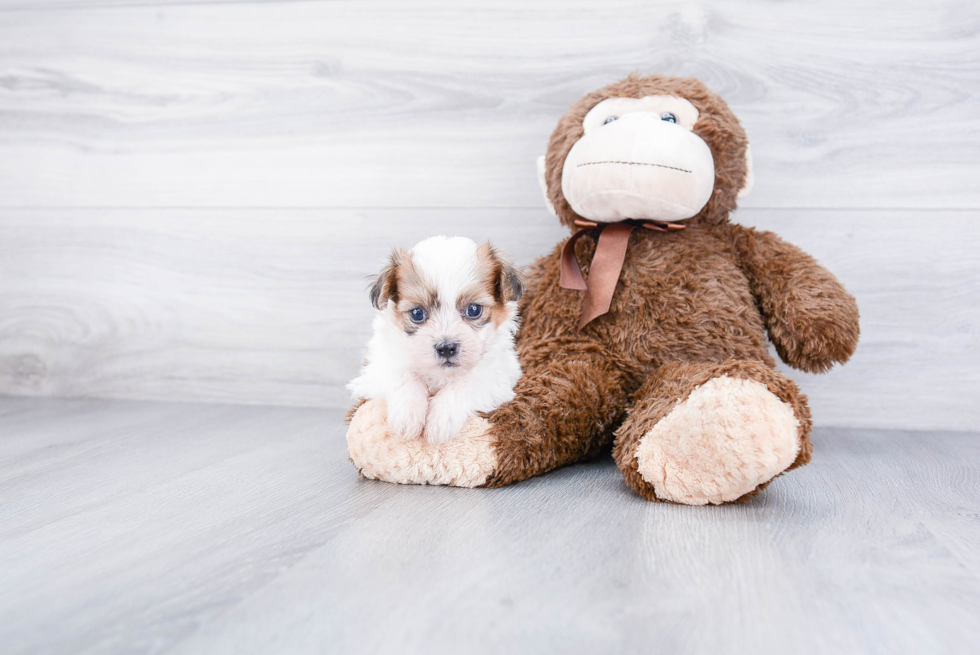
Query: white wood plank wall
[{"x": 193, "y": 193}]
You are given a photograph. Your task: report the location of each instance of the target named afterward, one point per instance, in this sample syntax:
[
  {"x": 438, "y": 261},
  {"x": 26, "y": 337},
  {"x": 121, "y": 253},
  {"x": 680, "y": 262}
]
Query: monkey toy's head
[{"x": 655, "y": 148}]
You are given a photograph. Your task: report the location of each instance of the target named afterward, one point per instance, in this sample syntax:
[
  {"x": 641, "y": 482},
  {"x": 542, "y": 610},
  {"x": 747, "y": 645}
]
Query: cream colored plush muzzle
[{"x": 638, "y": 166}]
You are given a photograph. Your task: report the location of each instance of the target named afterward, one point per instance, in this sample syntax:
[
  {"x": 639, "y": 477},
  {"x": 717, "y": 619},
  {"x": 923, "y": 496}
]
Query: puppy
[{"x": 443, "y": 342}]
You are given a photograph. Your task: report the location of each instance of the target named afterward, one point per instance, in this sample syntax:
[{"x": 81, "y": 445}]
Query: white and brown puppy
[{"x": 443, "y": 343}]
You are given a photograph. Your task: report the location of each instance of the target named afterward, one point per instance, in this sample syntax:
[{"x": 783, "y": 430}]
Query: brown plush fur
[
  {"x": 673, "y": 383},
  {"x": 353, "y": 410},
  {"x": 690, "y": 305}
]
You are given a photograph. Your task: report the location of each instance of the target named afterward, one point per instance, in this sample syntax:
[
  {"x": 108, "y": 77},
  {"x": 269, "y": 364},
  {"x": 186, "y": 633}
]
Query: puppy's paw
[
  {"x": 467, "y": 461},
  {"x": 444, "y": 420},
  {"x": 407, "y": 410},
  {"x": 406, "y": 427}
]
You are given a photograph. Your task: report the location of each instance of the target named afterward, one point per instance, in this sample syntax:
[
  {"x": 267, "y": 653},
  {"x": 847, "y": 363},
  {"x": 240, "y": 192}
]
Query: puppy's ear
[
  {"x": 508, "y": 280},
  {"x": 513, "y": 281},
  {"x": 384, "y": 286}
]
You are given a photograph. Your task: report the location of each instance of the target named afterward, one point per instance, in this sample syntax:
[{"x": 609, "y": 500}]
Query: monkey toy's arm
[{"x": 812, "y": 320}]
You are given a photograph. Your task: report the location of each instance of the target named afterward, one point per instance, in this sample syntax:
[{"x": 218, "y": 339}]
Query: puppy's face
[{"x": 449, "y": 296}]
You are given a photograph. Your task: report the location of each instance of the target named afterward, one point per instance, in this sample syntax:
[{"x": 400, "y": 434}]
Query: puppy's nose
[{"x": 447, "y": 350}]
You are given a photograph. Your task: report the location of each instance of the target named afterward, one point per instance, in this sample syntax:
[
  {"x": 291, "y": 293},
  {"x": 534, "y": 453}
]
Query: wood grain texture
[
  {"x": 270, "y": 306},
  {"x": 193, "y": 193},
  {"x": 447, "y": 103},
  {"x": 228, "y": 306},
  {"x": 142, "y": 527}
]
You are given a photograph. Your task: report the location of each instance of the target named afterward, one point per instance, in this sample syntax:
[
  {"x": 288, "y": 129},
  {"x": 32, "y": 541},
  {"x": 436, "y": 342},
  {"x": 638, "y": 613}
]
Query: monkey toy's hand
[{"x": 812, "y": 320}]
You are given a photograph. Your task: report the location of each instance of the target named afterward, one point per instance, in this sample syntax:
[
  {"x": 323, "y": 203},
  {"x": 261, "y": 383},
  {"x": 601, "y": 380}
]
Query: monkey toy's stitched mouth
[{"x": 634, "y": 163}]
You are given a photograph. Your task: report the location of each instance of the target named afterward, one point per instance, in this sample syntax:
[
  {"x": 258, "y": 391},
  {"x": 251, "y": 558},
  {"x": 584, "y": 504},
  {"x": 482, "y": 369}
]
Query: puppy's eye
[
  {"x": 417, "y": 315},
  {"x": 669, "y": 117},
  {"x": 609, "y": 120},
  {"x": 474, "y": 311}
]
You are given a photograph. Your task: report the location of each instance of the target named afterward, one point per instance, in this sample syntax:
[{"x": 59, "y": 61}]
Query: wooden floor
[{"x": 137, "y": 527}]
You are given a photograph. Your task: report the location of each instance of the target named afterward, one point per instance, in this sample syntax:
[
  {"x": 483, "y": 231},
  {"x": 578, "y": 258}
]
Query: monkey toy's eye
[
  {"x": 474, "y": 311},
  {"x": 417, "y": 315},
  {"x": 669, "y": 117},
  {"x": 609, "y": 120}
]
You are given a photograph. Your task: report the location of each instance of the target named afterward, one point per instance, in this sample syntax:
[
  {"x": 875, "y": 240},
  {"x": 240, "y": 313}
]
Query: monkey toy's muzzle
[{"x": 641, "y": 167}]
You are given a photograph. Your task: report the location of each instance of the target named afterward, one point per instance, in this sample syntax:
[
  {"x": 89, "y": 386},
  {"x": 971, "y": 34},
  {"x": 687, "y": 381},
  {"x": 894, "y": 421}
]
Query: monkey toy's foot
[
  {"x": 725, "y": 438},
  {"x": 465, "y": 461}
]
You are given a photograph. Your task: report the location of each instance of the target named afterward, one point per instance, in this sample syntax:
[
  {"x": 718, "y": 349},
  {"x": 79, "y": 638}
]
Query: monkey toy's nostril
[{"x": 447, "y": 350}]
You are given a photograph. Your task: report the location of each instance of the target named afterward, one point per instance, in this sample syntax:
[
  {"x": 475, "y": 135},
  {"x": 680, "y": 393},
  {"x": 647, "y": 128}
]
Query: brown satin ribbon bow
[{"x": 607, "y": 262}]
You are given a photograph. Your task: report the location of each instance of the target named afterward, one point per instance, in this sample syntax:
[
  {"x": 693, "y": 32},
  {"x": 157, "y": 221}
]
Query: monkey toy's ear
[
  {"x": 749, "y": 175},
  {"x": 384, "y": 286},
  {"x": 544, "y": 186}
]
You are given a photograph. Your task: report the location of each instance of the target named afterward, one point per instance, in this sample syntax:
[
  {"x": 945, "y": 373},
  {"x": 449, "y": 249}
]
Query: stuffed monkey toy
[{"x": 647, "y": 329}]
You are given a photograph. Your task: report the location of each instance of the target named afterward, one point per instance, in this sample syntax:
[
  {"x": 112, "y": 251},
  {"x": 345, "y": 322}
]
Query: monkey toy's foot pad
[
  {"x": 466, "y": 461},
  {"x": 725, "y": 439}
]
